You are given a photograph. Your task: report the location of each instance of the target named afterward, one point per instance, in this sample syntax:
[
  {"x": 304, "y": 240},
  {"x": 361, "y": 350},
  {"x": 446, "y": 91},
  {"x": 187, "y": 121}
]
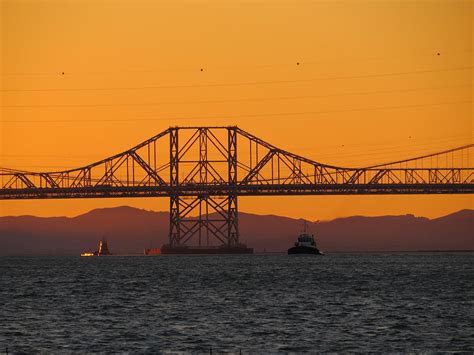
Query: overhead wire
[
  {"x": 390, "y": 146},
  {"x": 206, "y": 67},
  {"x": 249, "y": 99},
  {"x": 354, "y": 93},
  {"x": 420, "y": 146},
  {"x": 371, "y": 157},
  {"x": 268, "y": 82},
  {"x": 261, "y": 115},
  {"x": 423, "y": 156}
]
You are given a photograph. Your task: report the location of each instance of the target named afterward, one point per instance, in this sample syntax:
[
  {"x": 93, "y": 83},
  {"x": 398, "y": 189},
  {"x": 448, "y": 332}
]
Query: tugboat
[{"x": 305, "y": 244}]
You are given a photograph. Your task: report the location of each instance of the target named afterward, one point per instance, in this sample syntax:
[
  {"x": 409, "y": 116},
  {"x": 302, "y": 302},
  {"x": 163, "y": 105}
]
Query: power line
[
  {"x": 390, "y": 147},
  {"x": 245, "y": 115},
  {"x": 241, "y": 100},
  {"x": 423, "y": 152},
  {"x": 382, "y": 153},
  {"x": 270, "y": 82},
  {"x": 347, "y": 151},
  {"x": 426, "y": 140},
  {"x": 296, "y": 62}
]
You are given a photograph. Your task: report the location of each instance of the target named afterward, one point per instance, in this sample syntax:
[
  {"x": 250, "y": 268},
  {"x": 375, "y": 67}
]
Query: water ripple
[{"x": 337, "y": 303}]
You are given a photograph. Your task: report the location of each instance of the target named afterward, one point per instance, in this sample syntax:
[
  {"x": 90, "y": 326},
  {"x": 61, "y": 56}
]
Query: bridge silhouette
[{"x": 203, "y": 170}]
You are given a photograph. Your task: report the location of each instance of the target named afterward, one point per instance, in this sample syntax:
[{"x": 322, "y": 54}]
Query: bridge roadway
[{"x": 225, "y": 190}]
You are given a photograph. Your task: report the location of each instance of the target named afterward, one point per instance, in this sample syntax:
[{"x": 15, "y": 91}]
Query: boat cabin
[{"x": 305, "y": 239}]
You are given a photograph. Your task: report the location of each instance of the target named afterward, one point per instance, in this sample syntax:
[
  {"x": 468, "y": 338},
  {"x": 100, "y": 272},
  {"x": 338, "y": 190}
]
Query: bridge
[{"x": 203, "y": 170}]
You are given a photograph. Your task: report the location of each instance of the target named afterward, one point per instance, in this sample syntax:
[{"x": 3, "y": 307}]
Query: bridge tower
[{"x": 217, "y": 216}]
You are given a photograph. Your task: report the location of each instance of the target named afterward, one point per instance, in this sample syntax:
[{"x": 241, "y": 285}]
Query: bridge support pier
[{"x": 203, "y": 221}]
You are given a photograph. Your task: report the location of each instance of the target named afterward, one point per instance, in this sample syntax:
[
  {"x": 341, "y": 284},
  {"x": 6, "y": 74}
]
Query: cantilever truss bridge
[{"x": 203, "y": 170}]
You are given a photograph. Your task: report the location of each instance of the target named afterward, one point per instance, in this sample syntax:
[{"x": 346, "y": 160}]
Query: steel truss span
[{"x": 202, "y": 170}]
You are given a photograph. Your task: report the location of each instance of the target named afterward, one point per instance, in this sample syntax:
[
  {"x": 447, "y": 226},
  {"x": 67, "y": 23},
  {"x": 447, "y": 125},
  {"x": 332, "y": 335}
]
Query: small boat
[
  {"x": 103, "y": 249},
  {"x": 305, "y": 244},
  {"x": 152, "y": 251}
]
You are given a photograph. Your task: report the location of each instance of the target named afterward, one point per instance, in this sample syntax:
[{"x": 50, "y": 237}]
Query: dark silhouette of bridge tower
[
  {"x": 203, "y": 170},
  {"x": 217, "y": 216}
]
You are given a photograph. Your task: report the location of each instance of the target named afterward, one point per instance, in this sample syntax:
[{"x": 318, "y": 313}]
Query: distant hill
[{"x": 129, "y": 230}]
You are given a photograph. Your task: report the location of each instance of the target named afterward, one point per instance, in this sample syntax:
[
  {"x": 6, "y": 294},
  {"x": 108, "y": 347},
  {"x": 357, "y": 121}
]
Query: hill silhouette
[{"x": 129, "y": 230}]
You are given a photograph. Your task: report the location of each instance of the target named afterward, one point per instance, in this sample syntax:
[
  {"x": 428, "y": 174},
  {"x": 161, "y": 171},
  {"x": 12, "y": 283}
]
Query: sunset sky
[{"x": 376, "y": 81}]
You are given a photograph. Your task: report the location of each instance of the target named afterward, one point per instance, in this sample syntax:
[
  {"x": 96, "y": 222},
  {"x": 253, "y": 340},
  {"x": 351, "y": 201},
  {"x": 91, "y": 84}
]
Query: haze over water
[{"x": 339, "y": 302}]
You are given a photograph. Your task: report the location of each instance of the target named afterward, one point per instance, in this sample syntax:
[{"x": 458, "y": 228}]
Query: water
[{"x": 277, "y": 303}]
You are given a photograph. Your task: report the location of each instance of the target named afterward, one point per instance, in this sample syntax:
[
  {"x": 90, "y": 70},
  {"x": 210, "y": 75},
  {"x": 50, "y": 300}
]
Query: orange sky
[{"x": 378, "y": 92}]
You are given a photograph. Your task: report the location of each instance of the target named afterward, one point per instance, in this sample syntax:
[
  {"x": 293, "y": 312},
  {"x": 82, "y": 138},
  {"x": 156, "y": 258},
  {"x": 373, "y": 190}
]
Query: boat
[
  {"x": 103, "y": 249},
  {"x": 152, "y": 251},
  {"x": 305, "y": 245}
]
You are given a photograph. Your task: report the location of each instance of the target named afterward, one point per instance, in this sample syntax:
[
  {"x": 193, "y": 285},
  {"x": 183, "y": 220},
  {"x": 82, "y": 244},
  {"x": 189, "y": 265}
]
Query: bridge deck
[{"x": 247, "y": 190}]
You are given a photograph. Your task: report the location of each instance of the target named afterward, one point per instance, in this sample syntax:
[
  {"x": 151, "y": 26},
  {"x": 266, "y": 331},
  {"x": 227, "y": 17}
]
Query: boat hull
[
  {"x": 152, "y": 251},
  {"x": 304, "y": 250}
]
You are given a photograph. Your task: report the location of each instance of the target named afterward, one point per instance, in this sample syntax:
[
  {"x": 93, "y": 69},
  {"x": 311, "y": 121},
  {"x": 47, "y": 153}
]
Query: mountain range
[{"x": 130, "y": 230}]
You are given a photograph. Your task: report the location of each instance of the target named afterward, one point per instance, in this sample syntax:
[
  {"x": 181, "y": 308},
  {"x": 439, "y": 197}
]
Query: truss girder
[{"x": 265, "y": 165}]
